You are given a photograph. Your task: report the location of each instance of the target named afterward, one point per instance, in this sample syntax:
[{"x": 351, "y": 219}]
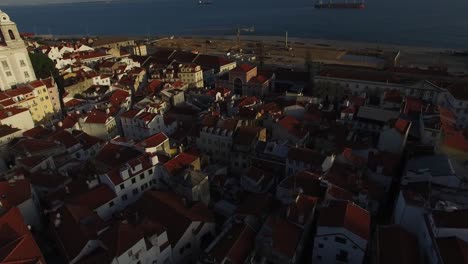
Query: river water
[{"x": 428, "y": 23}]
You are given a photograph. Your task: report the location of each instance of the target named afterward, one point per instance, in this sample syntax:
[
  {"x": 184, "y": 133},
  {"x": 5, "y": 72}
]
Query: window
[
  {"x": 142, "y": 176},
  {"x": 135, "y": 191},
  {"x": 8, "y": 74},
  {"x": 340, "y": 240},
  {"x": 319, "y": 257},
  {"x": 320, "y": 245},
  {"x": 124, "y": 197},
  {"x": 12, "y": 35},
  {"x": 133, "y": 180},
  {"x": 111, "y": 204},
  {"x": 5, "y": 65},
  {"x": 26, "y": 74},
  {"x": 122, "y": 186},
  {"x": 22, "y": 63},
  {"x": 342, "y": 256},
  {"x": 150, "y": 172}
]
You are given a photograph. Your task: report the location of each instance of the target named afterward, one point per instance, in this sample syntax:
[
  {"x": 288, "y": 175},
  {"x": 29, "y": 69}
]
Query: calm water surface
[{"x": 431, "y": 23}]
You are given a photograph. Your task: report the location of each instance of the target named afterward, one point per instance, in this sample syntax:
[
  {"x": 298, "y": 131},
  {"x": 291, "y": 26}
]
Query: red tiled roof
[
  {"x": 74, "y": 102},
  {"x": 37, "y": 132},
  {"x": 259, "y": 79},
  {"x": 17, "y": 244},
  {"x": 347, "y": 215},
  {"x": 52, "y": 180},
  {"x": 32, "y": 161},
  {"x": 73, "y": 232},
  {"x": 93, "y": 198},
  {"x": 246, "y": 101},
  {"x": 402, "y": 125},
  {"x": 12, "y": 111},
  {"x": 15, "y": 192},
  {"x": 113, "y": 155},
  {"x": 118, "y": 97},
  {"x": 235, "y": 245},
  {"x": 456, "y": 219},
  {"x": 177, "y": 216},
  {"x": 6, "y": 130},
  {"x": 32, "y": 145},
  {"x": 70, "y": 121},
  {"x": 97, "y": 117},
  {"x": 121, "y": 237},
  {"x": 392, "y": 96},
  {"x": 413, "y": 105},
  {"x": 36, "y": 83},
  {"x": 65, "y": 138},
  {"x": 306, "y": 180},
  {"x": 243, "y": 68},
  {"x": 459, "y": 91},
  {"x": 130, "y": 114},
  {"x": 19, "y": 91},
  {"x": 178, "y": 163},
  {"x": 154, "y": 140},
  {"x": 396, "y": 245},
  {"x": 293, "y": 126},
  {"x": 285, "y": 237},
  {"x": 453, "y": 250},
  {"x": 302, "y": 209},
  {"x": 308, "y": 156},
  {"x": 86, "y": 140}
]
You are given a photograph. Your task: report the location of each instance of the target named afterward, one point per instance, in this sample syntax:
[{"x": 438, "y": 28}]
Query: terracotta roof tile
[
  {"x": 15, "y": 192},
  {"x": 453, "y": 250},
  {"x": 396, "y": 245},
  {"x": 346, "y": 215},
  {"x": 17, "y": 244}
]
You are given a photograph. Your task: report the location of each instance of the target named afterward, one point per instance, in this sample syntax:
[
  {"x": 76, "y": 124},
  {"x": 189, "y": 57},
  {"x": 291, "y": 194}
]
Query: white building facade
[{"x": 15, "y": 65}]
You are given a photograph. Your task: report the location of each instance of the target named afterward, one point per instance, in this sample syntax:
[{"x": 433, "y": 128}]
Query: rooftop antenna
[{"x": 286, "y": 40}]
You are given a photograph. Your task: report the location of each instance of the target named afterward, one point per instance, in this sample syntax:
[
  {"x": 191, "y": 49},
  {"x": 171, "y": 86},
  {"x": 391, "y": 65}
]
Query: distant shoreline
[{"x": 345, "y": 44}]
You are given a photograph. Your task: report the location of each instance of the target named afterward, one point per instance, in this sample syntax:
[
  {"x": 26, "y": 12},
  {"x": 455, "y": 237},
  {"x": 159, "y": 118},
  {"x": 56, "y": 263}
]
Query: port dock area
[{"x": 364, "y": 54}]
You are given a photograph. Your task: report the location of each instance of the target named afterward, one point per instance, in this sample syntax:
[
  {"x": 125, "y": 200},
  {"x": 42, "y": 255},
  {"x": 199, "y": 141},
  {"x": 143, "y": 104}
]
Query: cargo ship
[{"x": 343, "y": 5}]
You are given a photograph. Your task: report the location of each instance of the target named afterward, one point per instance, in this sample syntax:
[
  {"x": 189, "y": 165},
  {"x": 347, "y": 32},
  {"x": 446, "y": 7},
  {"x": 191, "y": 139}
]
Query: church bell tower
[{"x": 10, "y": 36}]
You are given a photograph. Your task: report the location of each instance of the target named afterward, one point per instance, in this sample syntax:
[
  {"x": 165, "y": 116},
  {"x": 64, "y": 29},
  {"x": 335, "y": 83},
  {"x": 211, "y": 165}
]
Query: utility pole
[{"x": 238, "y": 38}]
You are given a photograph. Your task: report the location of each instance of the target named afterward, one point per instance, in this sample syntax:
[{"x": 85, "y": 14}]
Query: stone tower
[{"x": 15, "y": 65}]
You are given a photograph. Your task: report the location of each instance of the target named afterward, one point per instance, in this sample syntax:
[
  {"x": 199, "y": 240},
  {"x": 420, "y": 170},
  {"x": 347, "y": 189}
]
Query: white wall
[{"x": 354, "y": 245}]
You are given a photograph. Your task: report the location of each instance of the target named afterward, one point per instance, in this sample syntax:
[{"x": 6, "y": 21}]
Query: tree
[{"x": 45, "y": 68}]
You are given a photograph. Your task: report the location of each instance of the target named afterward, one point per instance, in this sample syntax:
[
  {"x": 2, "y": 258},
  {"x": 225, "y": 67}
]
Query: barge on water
[{"x": 343, "y": 5}]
